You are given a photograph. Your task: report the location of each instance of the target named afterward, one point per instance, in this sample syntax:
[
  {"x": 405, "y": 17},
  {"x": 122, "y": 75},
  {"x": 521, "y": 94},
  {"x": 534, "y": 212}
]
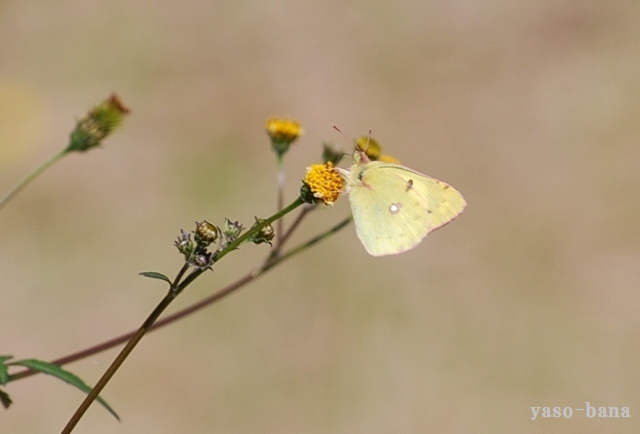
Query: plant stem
[
  {"x": 169, "y": 319},
  {"x": 305, "y": 210},
  {"x": 272, "y": 262},
  {"x": 87, "y": 352},
  {"x": 281, "y": 181},
  {"x": 174, "y": 291},
  {"x": 171, "y": 295},
  {"x": 33, "y": 175},
  {"x": 257, "y": 227},
  {"x": 213, "y": 298}
]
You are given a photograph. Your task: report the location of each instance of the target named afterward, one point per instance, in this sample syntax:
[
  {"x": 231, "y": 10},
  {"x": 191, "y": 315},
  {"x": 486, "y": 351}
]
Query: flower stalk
[
  {"x": 89, "y": 132},
  {"x": 176, "y": 288},
  {"x": 322, "y": 184},
  {"x": 30, "y": 177},
  {"x": 282, "y": 132}
]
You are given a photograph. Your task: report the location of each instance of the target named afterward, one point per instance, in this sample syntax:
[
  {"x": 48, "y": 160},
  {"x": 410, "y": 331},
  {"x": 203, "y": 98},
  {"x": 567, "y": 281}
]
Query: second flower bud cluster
[{"x": 196, "y": 252}]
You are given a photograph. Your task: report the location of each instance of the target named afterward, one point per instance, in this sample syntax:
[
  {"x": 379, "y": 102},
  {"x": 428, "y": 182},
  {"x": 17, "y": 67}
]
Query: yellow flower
[
  {"x": 324, "y": 182},
  {"x": 283, "y": 133},
  {"x": 388, "y": 159},
  {"x": 369, "y": 146},
  {"x": 373, "y": 150},
  {"x": 284, "y": 129}
]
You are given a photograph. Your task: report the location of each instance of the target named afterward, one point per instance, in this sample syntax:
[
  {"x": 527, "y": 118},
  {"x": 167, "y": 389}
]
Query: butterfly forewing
[
  {"x": 389, "y": 213},
  {"x": 443, "y": 203},
  {"x": 395, "y": 207}
]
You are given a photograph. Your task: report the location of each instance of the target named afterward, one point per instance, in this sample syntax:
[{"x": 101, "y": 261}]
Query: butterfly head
[{"x": 360, "y": 157}]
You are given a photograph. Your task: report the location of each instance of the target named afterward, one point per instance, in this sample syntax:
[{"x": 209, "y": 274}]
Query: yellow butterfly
[{"x": 395, "y": 207}]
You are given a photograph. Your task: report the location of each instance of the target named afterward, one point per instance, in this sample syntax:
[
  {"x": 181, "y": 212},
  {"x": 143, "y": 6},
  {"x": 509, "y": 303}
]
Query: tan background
[{"x": 530, "y": 299}]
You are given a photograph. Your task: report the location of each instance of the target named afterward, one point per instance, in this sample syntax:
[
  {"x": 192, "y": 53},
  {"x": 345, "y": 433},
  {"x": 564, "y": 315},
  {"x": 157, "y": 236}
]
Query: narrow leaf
[
  {"x": 4, "y": 374},
  {"x": 58, "y": 372},
  {"x": 154, "y": 275},
  {"x": 4, "y": 399}
]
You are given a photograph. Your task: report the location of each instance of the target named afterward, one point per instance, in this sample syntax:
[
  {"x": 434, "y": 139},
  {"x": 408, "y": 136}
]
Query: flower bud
[
  {"x": 206, "y": 233},
  {"x": 369, "y": 146},
  {"x": 97, "y": 124},
  {"x": 184, "y": 244},
  {"x": 331, "y": 152},
  {"x": 264, "y": 235},
  {"x": 231, "y": 230}
]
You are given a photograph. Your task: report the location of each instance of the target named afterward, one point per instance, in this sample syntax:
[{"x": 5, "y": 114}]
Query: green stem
[
  {"x": 174, "y": 291},
  {"x": 87, "y": 352},
  {"x": 33, "y": 175},
  {"x": 305, "y": 210},
  {"x": 281, "y": 181},
  {"x": 258, "y": 226},
  {"x": 171, "y": 295},
  {"x": 164, "y": 321}
]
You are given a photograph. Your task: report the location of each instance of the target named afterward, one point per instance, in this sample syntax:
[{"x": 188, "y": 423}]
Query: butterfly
[{"x": 395, "y": 207}]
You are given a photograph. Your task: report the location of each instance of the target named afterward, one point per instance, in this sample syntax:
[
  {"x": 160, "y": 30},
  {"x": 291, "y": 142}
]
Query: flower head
[
  {"x": 373, "y": 150},
  {"x": 97, "y": 124},
  {"x": 283, "y": 132},
  {"x": 369, "y": 146},
  {"x": 324, "y": 183}
]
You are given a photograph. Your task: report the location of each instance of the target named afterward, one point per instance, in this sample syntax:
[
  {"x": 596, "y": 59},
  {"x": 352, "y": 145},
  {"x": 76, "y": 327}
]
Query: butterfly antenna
[
  {"x": 368, "y": 140},
  {"x": 335, "y": 127},
  {"x": 355, "y": 144},
  {"x": 361, "y": 152}
]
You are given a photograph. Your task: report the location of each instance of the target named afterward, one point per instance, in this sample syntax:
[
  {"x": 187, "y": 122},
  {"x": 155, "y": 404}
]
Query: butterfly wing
[
  {"x": 395, "y": 207},
  {"x": 443, "y": 202}
]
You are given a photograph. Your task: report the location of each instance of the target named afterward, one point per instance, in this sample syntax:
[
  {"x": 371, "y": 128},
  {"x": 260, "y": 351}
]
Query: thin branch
[{"x": 33, "y": 175}]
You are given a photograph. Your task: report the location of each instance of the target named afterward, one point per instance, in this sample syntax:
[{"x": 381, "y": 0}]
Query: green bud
[
  {"x": 206, "y": 233},
  {"x": 184, "y": 244},
  {"x": 231, "y": 230},
  {"x": 264, "y": 235},
  {"x": 97, "y": 124},
  {"x": 331, "y": 152},
  {"x": 203, "y": 260}
]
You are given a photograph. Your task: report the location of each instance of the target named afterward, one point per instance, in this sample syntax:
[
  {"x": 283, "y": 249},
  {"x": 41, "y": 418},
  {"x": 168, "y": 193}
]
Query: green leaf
[
  {"x": 58, "y": 372},
  {"x": 154, "y": 275},
  {"x": 4, "y": 374},
  {"x": 4, "y": 399}
]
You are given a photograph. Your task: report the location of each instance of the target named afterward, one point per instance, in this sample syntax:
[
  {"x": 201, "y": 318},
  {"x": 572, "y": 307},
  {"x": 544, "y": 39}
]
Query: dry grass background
[{"x": 530, "y": 299}]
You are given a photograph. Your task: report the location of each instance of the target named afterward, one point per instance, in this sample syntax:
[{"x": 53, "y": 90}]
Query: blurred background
[{"x": 530, "y": 298}]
